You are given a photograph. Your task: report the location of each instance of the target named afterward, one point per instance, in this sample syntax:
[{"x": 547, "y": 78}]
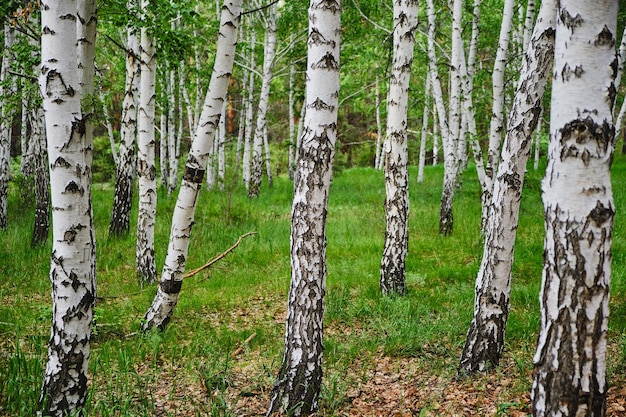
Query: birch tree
[
  {"x": 299, "y": 380},
  {"x": 126, "y": 167},
  {"x": 569, "y": 377},
  {"x": 392, "y": 267},
  {"x": 72, "y": 271},
  {"x": 485, "y": 338},
  {"x": 164, "y": 302},
  {"x": 269, "y": 53},
  {"x": 6, "y": 121},
  {"x": 146, "y": 168}
]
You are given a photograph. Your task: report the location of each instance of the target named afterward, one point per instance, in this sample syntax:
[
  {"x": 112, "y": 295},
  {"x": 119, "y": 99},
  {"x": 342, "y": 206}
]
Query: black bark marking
[
  {"x": 61, "y": 162},
  {"x": 193, "y": 175},
  {"x": 319, "y": 104},
  {"x": 605, "y": 37},
  {"x": 601, "y": 214},
  {"x": 328, "y": 61},
  {"x": 331, "y": 5},
  {"x": 68, "y": 16},
  {"x": 579, "y": 71},
  {"x": 570, "y": 22},
  {"x": 73, "y": 188},
  {"x": 580, "y": 136},
  {"x": 47, "y": 31},
  {"x": 171, "y": 286}
]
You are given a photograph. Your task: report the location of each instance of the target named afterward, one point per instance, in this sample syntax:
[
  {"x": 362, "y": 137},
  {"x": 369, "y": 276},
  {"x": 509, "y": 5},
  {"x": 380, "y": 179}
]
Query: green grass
[{"x": 189, "y": 364}]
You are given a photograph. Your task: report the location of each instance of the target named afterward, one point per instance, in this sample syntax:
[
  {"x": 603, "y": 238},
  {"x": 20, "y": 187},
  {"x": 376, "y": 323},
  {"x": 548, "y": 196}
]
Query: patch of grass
[{"x": 188, "y": 369}]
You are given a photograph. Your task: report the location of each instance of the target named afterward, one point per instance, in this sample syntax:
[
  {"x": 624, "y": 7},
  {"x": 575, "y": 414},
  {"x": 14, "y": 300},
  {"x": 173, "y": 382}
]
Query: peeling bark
[
  {"x": 297, "y": 388},
  {"x": 72, "y": 267},
  {"x": 569, "y": 377}
]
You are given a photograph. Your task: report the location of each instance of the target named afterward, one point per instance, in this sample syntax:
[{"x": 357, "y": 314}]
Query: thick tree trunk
[
  {"x": 299, "y": 380},
  {"x": 392, "y": 266},
  {"x": 269, "y": 54},
  {"x": 485, "y": 338},
  {"x": 162, "y": 307},
  {"x": 73, "y": 252},
  {"x": 569, "y": 377},
  {"x": 146, "y": 168},
  {"x": 126, "y": 168}
]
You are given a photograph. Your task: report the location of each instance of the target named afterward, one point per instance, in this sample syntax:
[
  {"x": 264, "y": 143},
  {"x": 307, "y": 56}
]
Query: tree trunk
[
  {"x": 392, "y": 266},
  {"x": 269, "y": 54},
  {"x": 379, "y": 131},
  {"x": 162, "y": 307},
  {"x": 6, "y": 121},
  {"x": 247, "y": 144},
  {"x": 485, "y": 338},
  {"x": 146, "y": 168},
  {"x": 39, "y": 157},
  {"x": 299, "y": 380},
  {"x": 126, "y": 168},
  {"x": 424, "y": 137},
  {"x": 569, "y": 377},
  {"x": 292, "y": 122},
  {"x": 72, "y": 270}
]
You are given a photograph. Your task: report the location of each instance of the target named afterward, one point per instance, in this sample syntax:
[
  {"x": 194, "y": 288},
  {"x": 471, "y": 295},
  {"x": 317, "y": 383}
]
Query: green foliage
[{"x": 103, "y": 164}]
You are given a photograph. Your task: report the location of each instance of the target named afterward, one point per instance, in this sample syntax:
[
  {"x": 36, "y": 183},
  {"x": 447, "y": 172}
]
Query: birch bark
[
  {"x": 126, "y": 168},
  {"x": 269, "y": 54},
  {"x": 146, "y": 168},
  {"x": 72, "y": 271},
  {"x": 485, "y": 338},
  {"x": 299, "y": 380},
  {"x": 163, "y": 305},
  {"x": 569, "y": 377},
  {"x": 392, "y": 266},
  {"x": 6, "y": 119}
]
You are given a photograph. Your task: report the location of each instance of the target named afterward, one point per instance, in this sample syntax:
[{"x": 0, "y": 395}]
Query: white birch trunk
[
  {"x": 39, "y": 156},
  {"x": 162, "y": 307},
  {"x": 446, "y": 219},
  {"x": 247, "y": 151},
  {"x": 424, "y": 136},
  {"x": 569, "y": 377},
  {"x": 292, "y": 122},
  {"x": 537, "y": 140},
  {"x": 146, "y": 168},
  {"x": 72, "y": 263},
  {"x": 436, "y": 137},
  {"x": 220, "y": 151},
  {"x": 485, "y": 338},
  {"x": 6, "y": 119},
  {"x": 392, "y": 266},
  {"x": 163, "y": 148},
  {"x": 269, "y": 54},
  {"x": 172, "y": 137},
  {"x": 268, "y": 165},
  {"x": 298, "y": 385},
  {"x": 529, "y": 23},
  {"x": 379, "y": 131},
  {"x": 496, "y": 125},
  {"x": 119, "y": 224}
]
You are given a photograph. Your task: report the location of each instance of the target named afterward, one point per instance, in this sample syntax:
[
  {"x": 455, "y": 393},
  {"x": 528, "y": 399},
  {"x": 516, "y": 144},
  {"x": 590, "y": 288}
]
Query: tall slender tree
[
  {"x": 392, "y": 267},
  {"x": 126, "y": 167},
  {"x": 146, "y": 168},
  {"x": 485, "y": 338},
  {"x": 6, "y": 122},
  {"x": 299, "y": 380},
  {"x": 162, "y": 307},
  {"x": 72, "y": 271},
  {"x": 569, "y": 377}
]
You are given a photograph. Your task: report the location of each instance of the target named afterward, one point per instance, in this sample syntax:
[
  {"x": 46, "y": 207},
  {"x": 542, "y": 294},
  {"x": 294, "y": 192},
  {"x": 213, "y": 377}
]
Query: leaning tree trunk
[
  {"x": 162, "y": 307},
  {"x": 126, "y": 167},
  {"x": 269, "y": 54},
  {"x": 146, "y": 168},
  {"x": 72, "y": 276},
  {"x": 485, "y": 338},
  {"x": 299, "y": 380},
  {"x": 569, "y": 377},
  {"x": 392, "y": 266}
]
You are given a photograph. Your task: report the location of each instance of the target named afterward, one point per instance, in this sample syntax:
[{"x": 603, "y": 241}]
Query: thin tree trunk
[
  {"x": 299, "y": 380},
  {"x": 379, "y": 131},
  {"x": 269, "y": 54},
  {"x": 537, "y": 140},
  {"x": 163, "y": 148},
  {"x": 172, "y": 137},
  {"x": 39, "y": 156},
  {"x": 392, "y": 266},
  {"x": 6, "y": 121},
  {"x": 247, "y": 151},
  {"x": 126, "y": 168},
  {"x": 485, "y": 338},
  {"x": 569, "y": 377},
  {"x": 72, "y": 271},
  {"x": 424, "y": 137},
  {"x": 146, "y": 169},
  {"x": 162, "y": 307}
]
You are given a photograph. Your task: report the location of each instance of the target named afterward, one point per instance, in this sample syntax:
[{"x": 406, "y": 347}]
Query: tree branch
[{"x": 218, "y": 257}]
